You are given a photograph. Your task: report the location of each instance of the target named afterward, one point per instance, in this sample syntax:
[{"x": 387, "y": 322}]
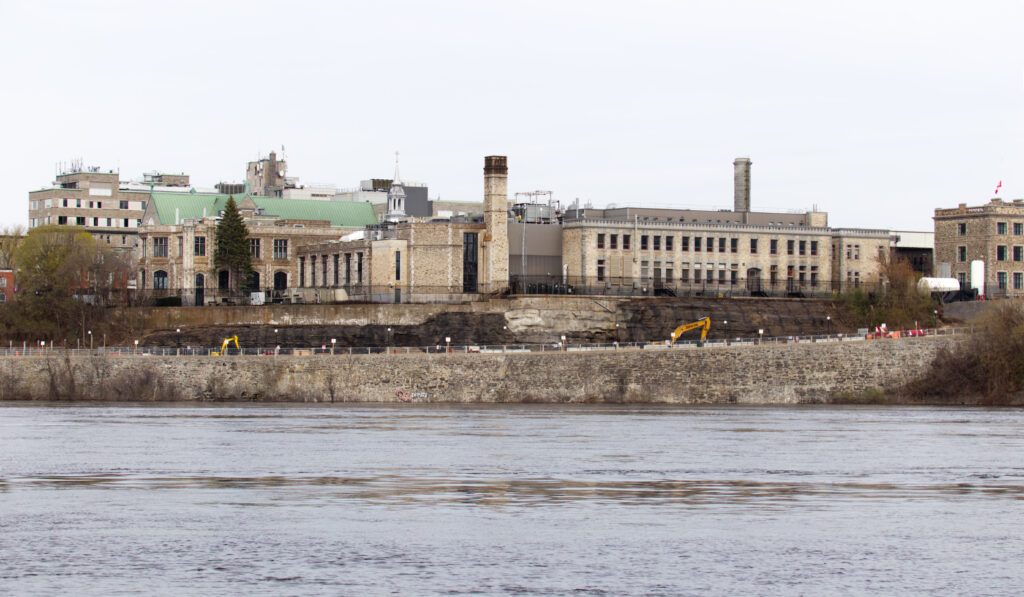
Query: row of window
[
  {"x": 83, "y": 221},
  {"x": 666, "y": 273},
  {"x": 1002, "y": 253},
  {"x": 1001, "y": 228},
  {"x": 725, "y": 245},
  {"x": 78, "y": 203},
  {"x": 199, "y": 247},
  {"x": 349, "y": 270}
]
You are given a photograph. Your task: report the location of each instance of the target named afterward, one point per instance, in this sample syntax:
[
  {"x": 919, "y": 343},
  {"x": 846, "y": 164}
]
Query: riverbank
[{"x": 837, "y": 372}]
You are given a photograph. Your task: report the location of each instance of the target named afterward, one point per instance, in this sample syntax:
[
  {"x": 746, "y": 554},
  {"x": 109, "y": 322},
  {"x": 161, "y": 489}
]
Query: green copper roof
[{"x": 191, "y": 205}]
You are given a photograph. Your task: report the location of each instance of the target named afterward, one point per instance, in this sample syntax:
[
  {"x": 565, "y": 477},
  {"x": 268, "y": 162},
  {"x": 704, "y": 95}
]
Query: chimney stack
[
  {"x": 495, "y": 242},
  {"x": 741, "y": 185}
]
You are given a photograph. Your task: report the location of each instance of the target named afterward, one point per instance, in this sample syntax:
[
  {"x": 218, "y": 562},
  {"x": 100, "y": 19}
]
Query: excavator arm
[{"x": 704, "y": 324}]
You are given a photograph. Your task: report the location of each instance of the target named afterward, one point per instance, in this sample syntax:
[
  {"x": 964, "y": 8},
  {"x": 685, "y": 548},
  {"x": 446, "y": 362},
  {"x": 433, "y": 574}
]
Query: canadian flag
[{"x": 999, "y": 186}]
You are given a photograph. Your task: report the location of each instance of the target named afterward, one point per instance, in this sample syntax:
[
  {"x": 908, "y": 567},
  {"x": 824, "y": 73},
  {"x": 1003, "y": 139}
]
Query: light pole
[
  {"x": 828, "y": 318},
  {"x": 333, "y": 341},
  {"x": 177, "y": 348},
  {"x": 90, "y": 340},
  {"x": 136, "y": 347},
  {"x": 448, "y": 344},
  {"x": 760, "y": 336},
  {"x": 564, "y": 347},
  {"x": 725, "y": 331},
  {"x": 389, "y": 339}
]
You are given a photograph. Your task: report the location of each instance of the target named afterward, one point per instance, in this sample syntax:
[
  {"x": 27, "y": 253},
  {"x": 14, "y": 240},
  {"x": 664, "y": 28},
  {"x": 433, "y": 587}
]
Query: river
[{"x": 526, "y": 499}]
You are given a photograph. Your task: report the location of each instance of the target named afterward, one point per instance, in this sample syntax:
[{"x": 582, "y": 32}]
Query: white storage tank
[{"x": 978, "y": 276}]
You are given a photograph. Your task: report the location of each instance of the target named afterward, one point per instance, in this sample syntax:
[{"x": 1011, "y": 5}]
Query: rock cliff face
[{"x": 523, "y": 320}]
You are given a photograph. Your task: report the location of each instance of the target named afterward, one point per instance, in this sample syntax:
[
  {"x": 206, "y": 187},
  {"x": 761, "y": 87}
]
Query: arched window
[
  {"x": 280, "y": 281},
  {"x": 160, "y": 280}
]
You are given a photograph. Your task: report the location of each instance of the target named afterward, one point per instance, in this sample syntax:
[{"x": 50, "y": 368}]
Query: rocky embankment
[
  {"x": 507, "y": 321},
  {"x": 768, "y": 374}
]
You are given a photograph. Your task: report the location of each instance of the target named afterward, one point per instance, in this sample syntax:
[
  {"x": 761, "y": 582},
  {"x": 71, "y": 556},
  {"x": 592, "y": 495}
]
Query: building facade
[
  {"x": 178, "y": 242},
  {"x": 100, "y": 202},
  {"x": 992, "y": 234}
]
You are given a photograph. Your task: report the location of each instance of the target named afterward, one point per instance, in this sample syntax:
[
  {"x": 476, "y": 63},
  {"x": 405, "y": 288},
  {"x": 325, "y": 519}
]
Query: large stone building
[
  {"x": 100, "y": 202},
  {"x": 991, "y": 234},
  {"x": 672, "y": 251},
  {"x": 178, "y": 241},
  {"x": 417, "y": 260}
]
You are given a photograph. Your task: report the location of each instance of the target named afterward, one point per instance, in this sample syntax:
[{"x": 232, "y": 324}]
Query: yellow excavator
[
  {"x": 224, "y": 347},
  {"x": 704, "y": 324}
]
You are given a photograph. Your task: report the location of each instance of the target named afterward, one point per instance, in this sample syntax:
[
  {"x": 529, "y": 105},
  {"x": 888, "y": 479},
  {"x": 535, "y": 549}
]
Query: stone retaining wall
[{"x": 770, "y": 374}]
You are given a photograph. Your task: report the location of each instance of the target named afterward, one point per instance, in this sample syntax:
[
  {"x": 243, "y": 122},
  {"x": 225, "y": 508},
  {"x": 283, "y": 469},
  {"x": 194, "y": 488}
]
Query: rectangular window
[
  {"x": 753, "y": 246},
  {"x": 1001, "y": 253},
  {"x": 302, "y": 271},
  {"x": 280, "y": 248},
  {"x": 789, "y": 247},
  {"x": 1018, "y": 281},
  {"x": 856, "y": 253},
  {"x": 814, "y": 247},
  {"x": 721, "y": 276},
  {"x": 961, "y": 229},
  {"x": 684, "y": 274},
  {"x": 773, "y": 275},
  {"x": 643, "y": 242},
  {"x": 625, "y": 241},
  {"x": 337, "y": 273},
  {"x": 1018, "y": 228},
  {"x": 200, "y": 246},
  {"x": 254, "y": 248},
  {"x": 614, "y": 241},
  {"x": 710, "y": 275},
  {"x": 657, "y": 243},
  {"x": 398, "y": 266},
  {"x": 600, "y": 241},
  {"x": 348, "y": 268},
  {"x": 684, "y": 243},
  {"x": 1000, "y": 227},
  {"x": 721, "y": 245},
  {"x": 124, "y": 205},
  {"x": 709, "y": 244},
  {"x": 181, "y": 246},
  {"x": 961, "y": 254},
  {"x": 803, "y": 248},
  {"x": 62, "y": 220},
  {"x": 668, "y": 275},
  {"x": 696, "y": 243},
  {"x": 814, "y": 275},
  {"x": 80, "y": 221},
  {"x": 734, "y": 245},
  {"x": 668, "y": 243},
  {"x": 773, "y": 247},
  {"x": 1018, "y": 253},
  {"x": 1001, "y": 280},
  {"x": 600, "y": 270},
  {"x": 160, "y": 246}
]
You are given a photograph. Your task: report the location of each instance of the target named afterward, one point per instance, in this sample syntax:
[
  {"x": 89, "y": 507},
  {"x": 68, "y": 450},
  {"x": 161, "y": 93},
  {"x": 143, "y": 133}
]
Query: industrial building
[{"x": 982, "y": 247}]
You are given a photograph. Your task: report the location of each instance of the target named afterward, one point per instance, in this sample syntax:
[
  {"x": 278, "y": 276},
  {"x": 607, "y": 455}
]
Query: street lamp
[
  {"x": 389, "y": 339},
  {"x": 177, "y": 349},
  {"x": 448, "y": 344},
  {"x": 760, "y": 336},
  {"x": 564, "y": 347},
  {"x": 136, "y": 347},
  {"x": 333, "y": 341},
  {"x": 90, "y": 340},
  {"x": 828, "y": 318}
]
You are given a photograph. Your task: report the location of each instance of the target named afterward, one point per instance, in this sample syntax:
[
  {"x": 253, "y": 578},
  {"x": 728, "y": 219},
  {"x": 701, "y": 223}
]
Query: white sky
[{"x": 875, "y": 111}]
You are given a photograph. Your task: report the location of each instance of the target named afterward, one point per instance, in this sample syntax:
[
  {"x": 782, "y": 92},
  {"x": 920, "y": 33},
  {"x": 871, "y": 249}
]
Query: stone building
[
  {"x": 100, "y": 202},
  {"x": 178, "y": 241},
  {"x": 669, "y": 251},
  {"x": 414, "y": 259},
  {"x": 992, "y": 234}
]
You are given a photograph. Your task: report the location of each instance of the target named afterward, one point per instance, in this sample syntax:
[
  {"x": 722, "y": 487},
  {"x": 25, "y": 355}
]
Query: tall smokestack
[
  {"x": 741, "y": 185},
  {"x": 496, "y": 222}
]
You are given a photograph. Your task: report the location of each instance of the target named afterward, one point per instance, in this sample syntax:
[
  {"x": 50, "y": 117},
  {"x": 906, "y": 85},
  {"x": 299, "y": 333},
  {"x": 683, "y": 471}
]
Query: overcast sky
[{"x": 875, "y": 111}]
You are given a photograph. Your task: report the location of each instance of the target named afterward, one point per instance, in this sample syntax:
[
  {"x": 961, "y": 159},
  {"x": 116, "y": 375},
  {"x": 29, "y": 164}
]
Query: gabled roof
[{"x": 192, "y": 205}]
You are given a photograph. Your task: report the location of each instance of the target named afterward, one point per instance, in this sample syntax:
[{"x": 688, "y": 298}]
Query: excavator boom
[{"x": 704, "y": 324}]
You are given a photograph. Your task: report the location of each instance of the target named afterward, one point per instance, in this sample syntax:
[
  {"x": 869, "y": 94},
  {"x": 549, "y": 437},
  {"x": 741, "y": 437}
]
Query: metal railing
[{"x": 27, "y": 350}]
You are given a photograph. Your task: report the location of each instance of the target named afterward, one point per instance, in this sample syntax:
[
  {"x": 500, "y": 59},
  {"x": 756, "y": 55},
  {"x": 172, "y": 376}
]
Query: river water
[{"x": 532, "y": 499}]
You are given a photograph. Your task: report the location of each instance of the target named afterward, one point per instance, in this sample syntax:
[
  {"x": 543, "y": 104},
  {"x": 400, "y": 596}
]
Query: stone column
[{"x": 495, "y": 242}]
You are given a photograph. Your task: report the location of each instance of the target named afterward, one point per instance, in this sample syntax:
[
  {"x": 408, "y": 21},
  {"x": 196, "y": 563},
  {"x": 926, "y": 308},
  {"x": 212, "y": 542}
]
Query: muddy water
[{"x": 531, "y": 499}]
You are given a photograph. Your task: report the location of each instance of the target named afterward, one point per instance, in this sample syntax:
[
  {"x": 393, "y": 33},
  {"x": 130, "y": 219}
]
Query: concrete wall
[{"x": 770, "y": 374}]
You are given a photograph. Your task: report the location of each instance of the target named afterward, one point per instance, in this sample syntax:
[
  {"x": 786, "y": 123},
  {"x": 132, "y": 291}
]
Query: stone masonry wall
[{"x": 770, "y": 374}]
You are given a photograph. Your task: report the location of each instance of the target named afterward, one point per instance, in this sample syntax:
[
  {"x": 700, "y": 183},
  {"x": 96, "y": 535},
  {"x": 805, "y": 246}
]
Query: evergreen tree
[{"x": 233, "y": 247}]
